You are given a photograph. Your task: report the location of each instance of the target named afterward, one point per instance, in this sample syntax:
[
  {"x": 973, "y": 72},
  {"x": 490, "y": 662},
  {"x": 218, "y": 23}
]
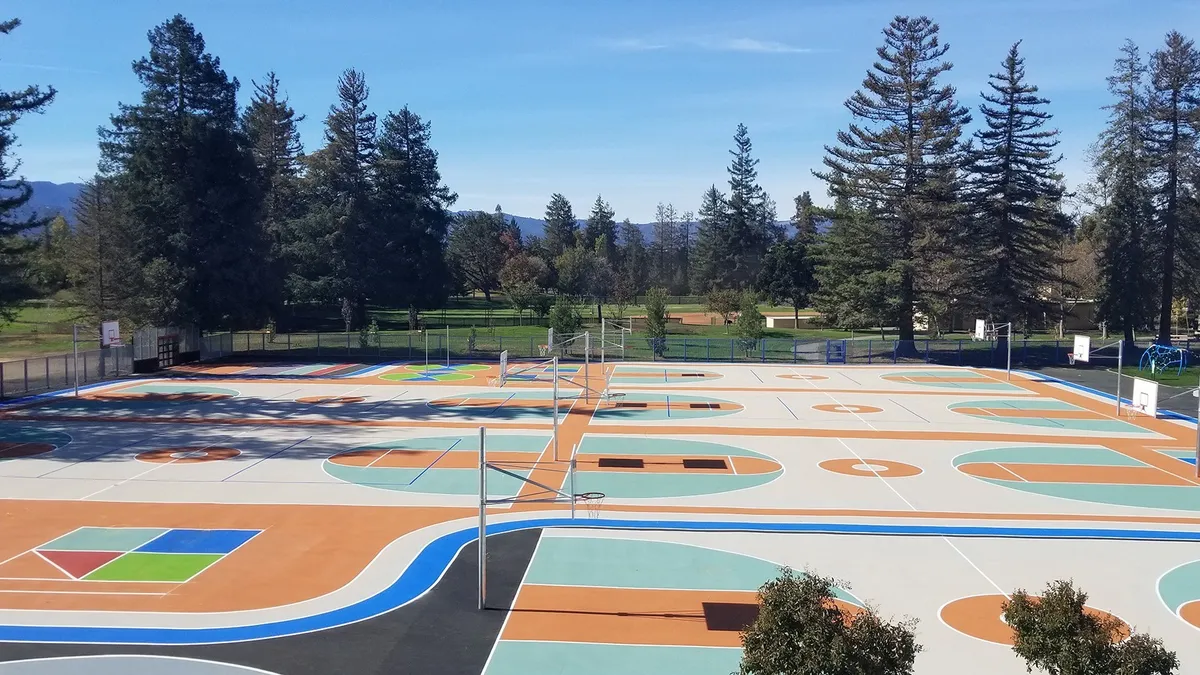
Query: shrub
[
  {"x": 565, "y": 318},
  {"x": 656, "y": 320}
]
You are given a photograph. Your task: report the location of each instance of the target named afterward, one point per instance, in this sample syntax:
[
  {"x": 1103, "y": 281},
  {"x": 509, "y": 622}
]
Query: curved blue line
[{"x": 424, "y": 571}]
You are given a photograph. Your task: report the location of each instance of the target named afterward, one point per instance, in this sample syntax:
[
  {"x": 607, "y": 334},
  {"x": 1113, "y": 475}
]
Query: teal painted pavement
[
  {"x": 1180, "y": 586},
  {"x": 1079, "y": 455},
  {"x": 569, "y": 658},
  {"x": 1174, "y": 497},
  {"x": 640, "y": 445},
  {"x": 156, "y": 388},
  {"x": 588, "y": 561}
]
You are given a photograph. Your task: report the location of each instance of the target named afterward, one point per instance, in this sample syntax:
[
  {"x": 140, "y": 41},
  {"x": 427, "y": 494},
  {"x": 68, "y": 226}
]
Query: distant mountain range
[{"x": 52, "y": 199}]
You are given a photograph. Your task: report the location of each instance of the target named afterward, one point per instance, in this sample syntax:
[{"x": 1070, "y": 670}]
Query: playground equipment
[{"x": 1159, "y": 358}]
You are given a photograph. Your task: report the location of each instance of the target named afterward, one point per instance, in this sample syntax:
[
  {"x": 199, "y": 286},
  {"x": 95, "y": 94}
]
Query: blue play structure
[{"x": 1158, "y": 358}]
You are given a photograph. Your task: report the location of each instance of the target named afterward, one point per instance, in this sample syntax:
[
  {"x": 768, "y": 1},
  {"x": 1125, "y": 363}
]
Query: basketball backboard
[
  {"x": 1082, "y": 350},
  {"x": 110, "y": 333}
]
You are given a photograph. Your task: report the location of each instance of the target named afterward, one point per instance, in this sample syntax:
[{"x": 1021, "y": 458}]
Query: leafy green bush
[{"x": 565, "y": 318}]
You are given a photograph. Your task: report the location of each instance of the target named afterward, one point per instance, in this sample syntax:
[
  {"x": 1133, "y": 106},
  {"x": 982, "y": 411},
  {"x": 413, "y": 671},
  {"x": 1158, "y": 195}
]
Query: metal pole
[
  {"x": 602, "y": 324},
  {"x": 482, "y": 518},
  {"x": 555, "y": 441},
  {"x": 75, "y": 351},
  {"x": 447, "y": 345},
  {"x": 587, "y": 361},
  {"x": 1008, "y": 368},
  {"x": 1198, "y": 431},
  {"x": 571, "y": 475},
  {"x": 1120, "y": 367},
  {"x": 426, "y": 331}
]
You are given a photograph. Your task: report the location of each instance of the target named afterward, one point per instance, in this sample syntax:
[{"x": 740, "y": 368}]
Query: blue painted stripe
[
  {"x": 1169, "y": 414},
  {"x": 432, "y": 561},
  {"x": 60, "y": 392},
  {"x": 368, "y": 370}
]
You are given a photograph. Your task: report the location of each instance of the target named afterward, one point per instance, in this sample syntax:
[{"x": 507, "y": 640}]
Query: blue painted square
[
  {"x": 199, "y": 541},
  {"x": 1189, "y": 460}
]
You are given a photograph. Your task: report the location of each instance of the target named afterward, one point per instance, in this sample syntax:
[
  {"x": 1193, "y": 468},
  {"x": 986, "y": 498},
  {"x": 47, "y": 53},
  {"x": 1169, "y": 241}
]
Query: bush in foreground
[
  {"x": 1054, "y": 634},
  {"x": 801, "y": 630}
]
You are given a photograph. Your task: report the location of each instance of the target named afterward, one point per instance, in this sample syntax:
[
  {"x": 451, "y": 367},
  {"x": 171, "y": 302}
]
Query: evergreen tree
[
  {"x": 805, "y": 218},
  {"x": 560, "y": 226},
  {"x": 684, "y": 241},
  {"x": 14, "y": 191},
  {"x": 712, "y": 239},
  {"x": 901, "y": 157},
  {"x": 332, "y": 247},
  {"x": 665, "y": 243},
  {"x": 50, "y": 258},
  {"x": 634, "y": 265},
  {"x": 476, "y": 251},
  {"x": 269, "y": 123},
  {"x": 1173, "y": 108},
  {"x": 99, "y": 258},
  {"x": 1124, "y": 220},
  {"x": 1016, "y": 192},
  {"x": 412, "y": 218},
  {"x": 600, "y": 224},
  {"x": 750, "y": 216},
  {"x": 855, "y": 281},
  {"x": 188, "y": 184},
  {"x": 787, "y": 273}
]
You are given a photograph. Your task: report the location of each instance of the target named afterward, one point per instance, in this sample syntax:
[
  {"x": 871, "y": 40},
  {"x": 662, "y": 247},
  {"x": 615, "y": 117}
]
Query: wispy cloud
[
  {"x": 634, "y": 45},
  {"x": 745, "y": 45},
  {"x": 752, "y": 45},
  {"x": 57, "y": 69}
]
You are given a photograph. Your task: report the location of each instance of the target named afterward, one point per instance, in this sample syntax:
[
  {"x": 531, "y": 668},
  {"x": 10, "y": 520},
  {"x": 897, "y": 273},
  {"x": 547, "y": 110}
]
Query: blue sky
[{"x": 635, "y": 100}]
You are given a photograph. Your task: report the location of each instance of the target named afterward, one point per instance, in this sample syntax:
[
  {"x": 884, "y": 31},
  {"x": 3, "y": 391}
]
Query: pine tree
[
  {"x": 269, "y": 123},
  {"x": 188, "y": 185},
  {"x": 332, "y": 248},
  {"x": 856, "y": 284},
  {"x": 1016, "y": 192},
  {"x": 713, "y": 267},
  {"x": 665, "y": 242},
  {"x": 901, "y": 157},
  {"x": 476, "y": 252},
  {"x": 1125, "y": 219},
  {"x": 1173, "y": 108},
  {"x": 634, "y": 265},
  {"x": 685, "y": 241},
  {"x": 102, "y": 274},
  {"x": 600, "y": 224},
  {"x": 412, "y": 218},
  {"x": 804, "y": 220},
  {"x": 14, "y": 191},
  {"x": 560, "y": 226},
  {"x": 751, "y": 215}
]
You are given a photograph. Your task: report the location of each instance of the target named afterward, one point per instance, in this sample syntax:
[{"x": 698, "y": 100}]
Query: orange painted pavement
[
  {"x": 674, "y": 464},
  {"x": 981, "y": 616},
  {"x": 303, "y": 551},
  {"x": 403, "y": 458},
  {"x": 10, "y": 450},
  {"x": 1190, "y": 612},
  {"x": 891, "y": 469}
]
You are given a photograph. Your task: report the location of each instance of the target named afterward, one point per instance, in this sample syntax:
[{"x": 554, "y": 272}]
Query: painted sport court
[{"x": 197, "y": 515}]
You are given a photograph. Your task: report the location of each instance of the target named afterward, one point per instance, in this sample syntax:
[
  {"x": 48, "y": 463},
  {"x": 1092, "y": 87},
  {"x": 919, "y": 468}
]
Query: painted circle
[
  {"x": 330, "y": 400},
  {"x": 126, "y": 664},
  {"x": 186, "y": 455},
  {"x": 470, "y": 367},
  {"x": 870, "y": 468},
  {"x": 802, "y": 377},
  {"x": 853, "y": 408},
  {"x": 982, "y": 617},
  {"x": 15, "y": 449}
]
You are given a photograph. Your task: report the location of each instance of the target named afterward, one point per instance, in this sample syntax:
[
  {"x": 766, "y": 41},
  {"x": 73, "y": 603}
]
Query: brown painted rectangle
[
  {"x": 729, "y": 616},
  {"x": 621, "y": 463},
  {"x": 692, "y": 463}
]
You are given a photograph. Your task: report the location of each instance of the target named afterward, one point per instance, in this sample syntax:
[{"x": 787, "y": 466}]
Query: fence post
[
  {"x": 247, "y": 343},
  {"x": 84, "y": 366},
  {"x": 895, "y": 349},
  {"x": 926, "y": 350},
  {"x": 827, "y": 351},
  {"x": 795, "y": 345},
  {"x": 869, "y": 351},
  {"x": 264, "y": 341},
  {"x": 2, "y": 379},
  {"x": 531, "y": 352},
  {"x": 26, "y": 364},
  {"x": 289, "y": 343},
  {"x": 960, "y": 352},
  {"x": 47, "y": 371},
  {"x": 318, "y": 343},
  {"x": 708, "y": 349},
  {"x": 732, "y": 355},
  {"x": 1025, "y": 352},
  {"x": 763, "y": 359},
  {"x": 1057, "y": 345}
]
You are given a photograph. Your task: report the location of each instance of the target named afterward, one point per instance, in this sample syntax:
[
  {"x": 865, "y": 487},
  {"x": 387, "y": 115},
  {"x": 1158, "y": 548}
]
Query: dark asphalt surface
[
  {"x": 1176, "y": 399},
  {"x": 440, "y": 633}
]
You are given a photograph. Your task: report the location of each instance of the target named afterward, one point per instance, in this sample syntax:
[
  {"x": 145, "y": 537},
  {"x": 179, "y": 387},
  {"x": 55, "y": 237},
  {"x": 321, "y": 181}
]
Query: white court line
[
  {"x": 1011, "y": 472},
  {"x": 40, "y": 592},
  {"x": 903, "y": 499},
  {"x": 230, "y": 436},
  {"x": 732, "y": 466},
  {"x": 508, "y": 615},
  {"x": 55, "y": 565},
  {"x": 389, "y": 451}
]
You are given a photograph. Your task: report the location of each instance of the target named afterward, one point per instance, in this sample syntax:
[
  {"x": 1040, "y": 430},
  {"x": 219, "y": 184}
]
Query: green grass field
[
  {"x": 1171, "y": 378},
  {"x": 42, "y": 327}
]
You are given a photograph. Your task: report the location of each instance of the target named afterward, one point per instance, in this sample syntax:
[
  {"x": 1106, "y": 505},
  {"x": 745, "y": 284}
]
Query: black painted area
[
  {"x": 441, "y": 632},
  {"x": 693, "y": 463},
  {"x": 621, "y": 463},
  {"x": 1176, "y": 399}
]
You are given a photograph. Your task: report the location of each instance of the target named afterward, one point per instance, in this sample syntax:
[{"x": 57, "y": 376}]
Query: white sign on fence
[
  {"x": 110, "y": 333},
  {"x": 1145, "y": 396},
  {"x": 1083, "y": 348}
]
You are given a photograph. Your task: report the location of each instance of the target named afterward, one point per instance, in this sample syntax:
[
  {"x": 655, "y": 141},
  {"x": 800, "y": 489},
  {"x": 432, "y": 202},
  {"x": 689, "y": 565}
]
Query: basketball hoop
[
  {"x": 592, "y": 502},
  {"x": 1071, "y": 359},
  {"x": 543, "y": 350}
]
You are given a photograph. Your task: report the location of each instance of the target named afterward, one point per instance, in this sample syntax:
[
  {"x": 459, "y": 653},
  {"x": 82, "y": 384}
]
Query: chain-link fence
[
  {"x": 436, "y": 347},
  {"x": 41, "y": 374}
]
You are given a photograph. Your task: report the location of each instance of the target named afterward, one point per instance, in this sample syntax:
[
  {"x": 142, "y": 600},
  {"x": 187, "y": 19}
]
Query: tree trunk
[
  {"x": 599, "y": 310},
  {"x": 487, "y": 295},
  {"x": 796, "y": 316},
  {"x": 413, "y": 318}
]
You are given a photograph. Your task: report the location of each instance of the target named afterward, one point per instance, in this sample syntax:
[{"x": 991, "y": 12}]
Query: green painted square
[
  {"x": 104, "y": 539},
  {"x": 154, "y": 567}
]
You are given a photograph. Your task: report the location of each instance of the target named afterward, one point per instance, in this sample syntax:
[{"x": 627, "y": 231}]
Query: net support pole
[
  {"x": 587, "y": 362},
  {"x": 1008, "y": 366},
  {"x": 1198, "y": 430},
  {"x": 571, "y": 477},
  {"x": 75, "y": 351},
  {"x": 447, "y": 345},
  {"x": 555, "y": 441},
  {"x": 426, "y": 349},
  {"x": 1120, "y": 367},
  {"x": 602, "y": 325},
  {"x": 482, "y": 518}
]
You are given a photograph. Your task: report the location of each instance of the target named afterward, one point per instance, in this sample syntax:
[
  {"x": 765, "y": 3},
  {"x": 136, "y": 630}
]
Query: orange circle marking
[
  {"x": 799, "y": 376},
  {"x": 852, "y": 408},
  {"x": 188, "y": 455},
  {"x": 13, "y": 450},
  {"x": 1190, "y": 612},
  {"x": 328, "y": 400},
  {"x": 982, "y": 617},
  {"x": 870, "y": 467}
]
